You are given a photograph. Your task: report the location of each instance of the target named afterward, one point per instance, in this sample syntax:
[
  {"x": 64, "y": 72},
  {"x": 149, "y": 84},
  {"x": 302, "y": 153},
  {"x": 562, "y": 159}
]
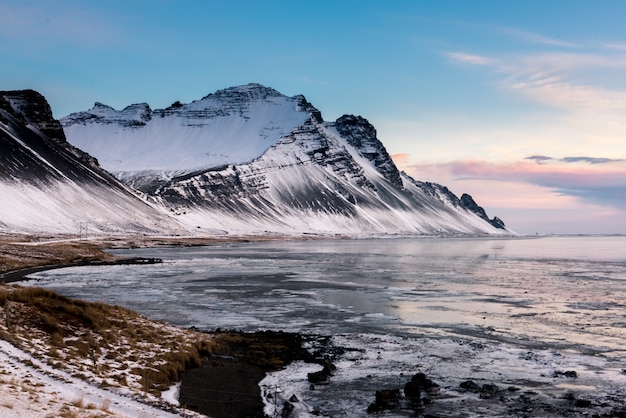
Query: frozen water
[{"x": 514, "y": 312}]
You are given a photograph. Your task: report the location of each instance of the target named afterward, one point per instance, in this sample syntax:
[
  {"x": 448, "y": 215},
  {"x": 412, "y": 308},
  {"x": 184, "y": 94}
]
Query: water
[{"x": 507, "y": 311}]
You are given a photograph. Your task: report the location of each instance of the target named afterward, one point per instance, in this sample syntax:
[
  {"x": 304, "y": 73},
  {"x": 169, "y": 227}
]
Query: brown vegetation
[
  {"x": 20, "y": 252},
  {"x": 112, "y": 344}
]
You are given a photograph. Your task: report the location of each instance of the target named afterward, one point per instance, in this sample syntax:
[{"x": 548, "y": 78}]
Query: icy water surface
[{"x": 514, "y": 312}]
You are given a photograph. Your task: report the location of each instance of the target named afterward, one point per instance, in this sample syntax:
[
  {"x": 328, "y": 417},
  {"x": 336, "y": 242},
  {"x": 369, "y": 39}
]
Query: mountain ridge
[
  {"x": 301, "y": 173},
  {"x": 242, "y": 160},
  {"x": 47, "y": 185}
]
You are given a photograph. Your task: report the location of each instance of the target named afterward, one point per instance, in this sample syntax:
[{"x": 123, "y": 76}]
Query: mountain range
[{"x": 243, "y": 160}]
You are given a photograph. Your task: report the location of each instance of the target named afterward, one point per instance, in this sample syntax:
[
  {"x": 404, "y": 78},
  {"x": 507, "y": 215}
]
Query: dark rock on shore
[
  {"x": 489, "y": 390},
  {"x": 569, "y": 373},
  {"x": 391, "y": 399},
  {"x": 227, "y": 383},
  {"x": 323, "y": 376},
  {"x": 386, "y": 399},
  {"x": 223, "y": 388},
  {"x": 470, "y": 386},
  {"x": 318, "y": 378}
]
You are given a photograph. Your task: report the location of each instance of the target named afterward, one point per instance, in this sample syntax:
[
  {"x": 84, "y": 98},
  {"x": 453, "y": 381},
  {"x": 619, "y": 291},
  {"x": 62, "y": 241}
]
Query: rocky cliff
[
  {"x": 249, "y": 159},
  {"x": 50, "y": 186}
]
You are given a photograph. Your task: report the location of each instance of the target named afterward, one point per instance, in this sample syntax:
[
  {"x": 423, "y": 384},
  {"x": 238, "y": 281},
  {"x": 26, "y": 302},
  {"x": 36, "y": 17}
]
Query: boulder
[
  {"x": 470, "y": 386},
  {"x": 386, "y": 399},
  {"x": 318, "y": 378},
  {"x": 489, "y": 390}
]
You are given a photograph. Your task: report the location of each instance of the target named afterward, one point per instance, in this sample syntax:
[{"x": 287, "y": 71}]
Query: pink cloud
[
  {"x": 401, "y": 159},
  {"x": 553, "y": 196},
  {"x": 603, "y": 184}
]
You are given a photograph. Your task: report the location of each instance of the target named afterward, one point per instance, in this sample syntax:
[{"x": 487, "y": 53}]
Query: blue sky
[{"x": 520, "y": 103}]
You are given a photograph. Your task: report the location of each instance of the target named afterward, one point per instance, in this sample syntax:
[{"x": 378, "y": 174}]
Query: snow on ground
[
  {"x": 30, "y": 388},
  {"x": 51, "y": 365},
  {"x": 527, "y": 380}
]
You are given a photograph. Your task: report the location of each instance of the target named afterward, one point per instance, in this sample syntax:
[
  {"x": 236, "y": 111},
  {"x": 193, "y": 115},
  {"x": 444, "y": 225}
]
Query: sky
[{"x": 521, "y": 104}]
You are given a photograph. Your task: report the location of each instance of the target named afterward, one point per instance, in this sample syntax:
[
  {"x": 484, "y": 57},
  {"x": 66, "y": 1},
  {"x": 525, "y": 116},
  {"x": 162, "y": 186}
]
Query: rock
[
  {"x": 424, "y": 383},
  {"x": 294, "y": 398},
  {"x": 386, "y": 399},
  {"x": 470, "y": 386},
  {"x": 569, "y": 373},
  {"x": 582, "y": 403},
  {"x": 489, "y": 390},
  {"x": 470, "y": 204},
  {"x": 287, "y": 410},
  {"x": 323, "y": 376},
  {"x": 413, "y": 391},
  {"x": 330, "y": 369},
  {"x": 318, "y": 378}
]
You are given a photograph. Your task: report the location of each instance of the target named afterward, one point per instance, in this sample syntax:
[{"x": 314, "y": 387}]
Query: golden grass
[
  {"x": 100, "y": 339},
  {"x": 15, "y": 255}
]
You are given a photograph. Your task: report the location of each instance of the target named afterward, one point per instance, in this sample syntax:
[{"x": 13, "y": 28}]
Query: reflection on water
[
  {"x": 557, "y": 291},
  {"x": 510, "y": 311}
]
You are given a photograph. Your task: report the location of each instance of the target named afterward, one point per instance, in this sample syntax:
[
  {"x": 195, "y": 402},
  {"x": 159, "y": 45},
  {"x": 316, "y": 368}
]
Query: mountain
[
  {"x": 48, "y": 185},
  {"x": 250, "y": 159}
]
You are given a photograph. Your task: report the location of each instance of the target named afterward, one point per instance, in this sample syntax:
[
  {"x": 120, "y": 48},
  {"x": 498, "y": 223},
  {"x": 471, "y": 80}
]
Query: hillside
[
  {"x": 49, "y": 186},
  {"x": 249, "y": 159}
]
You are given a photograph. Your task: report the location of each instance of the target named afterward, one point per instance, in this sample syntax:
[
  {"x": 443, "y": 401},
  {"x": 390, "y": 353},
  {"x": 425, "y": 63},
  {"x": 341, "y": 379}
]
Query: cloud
[
  {"x": 542, "y": 159},
  {"x": 470, "y": 58},
  {"x": 539, "y": 159},
  {"x": 590, "y": 160},
  {"x": 601, "y": 183},
  {"x": 401, "y": 158},
  {"x": 619, "y": 46},
  {"x": 536, "y": 38},
  {"x": 579, "y": 82}
]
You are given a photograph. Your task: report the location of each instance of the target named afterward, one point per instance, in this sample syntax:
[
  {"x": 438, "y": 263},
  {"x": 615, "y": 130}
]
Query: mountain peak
[
  {"x": 231, "y": 126},
  {"x": 251, "y": 91},
  {"x": 362, "y": 136},
  {"x": 468, "y": 202},
  {"x": 32, "y": 108}
]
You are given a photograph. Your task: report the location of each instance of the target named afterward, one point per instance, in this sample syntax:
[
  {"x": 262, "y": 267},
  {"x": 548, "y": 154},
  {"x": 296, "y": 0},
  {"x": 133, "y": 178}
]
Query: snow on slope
[
  {"x": 229, "y": 127},
  {"x": 313, "y": 180},
  {"x": 249, "y": 159},
  {"x": 49, "y": 186}
]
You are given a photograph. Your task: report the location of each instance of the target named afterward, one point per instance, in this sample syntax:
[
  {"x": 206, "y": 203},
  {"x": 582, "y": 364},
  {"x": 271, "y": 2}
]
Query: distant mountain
[
  {"x": 48, "y": 185},
  {"x": 250, "y": 159}
]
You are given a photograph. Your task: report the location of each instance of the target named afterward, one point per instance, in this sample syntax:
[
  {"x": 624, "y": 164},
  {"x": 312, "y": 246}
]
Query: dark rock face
[
  {"x": 24, "y": 150},
  {"x": 313, "y": 170},
  {"x": 468, "y": 202},
  {"x": 36, "y": 160},
  {"x": 30, "y": 107},
  {"x": 362, "y": 136}
]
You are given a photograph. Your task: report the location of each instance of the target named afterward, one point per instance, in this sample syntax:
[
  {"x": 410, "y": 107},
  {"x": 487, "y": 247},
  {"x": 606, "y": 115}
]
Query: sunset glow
[{"x": 517, "y": 103}]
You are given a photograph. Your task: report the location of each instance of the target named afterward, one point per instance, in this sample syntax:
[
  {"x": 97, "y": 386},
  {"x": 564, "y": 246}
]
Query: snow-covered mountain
[
  {"x": 47, "y": 185},
  {"x": 250, "y": 159}
]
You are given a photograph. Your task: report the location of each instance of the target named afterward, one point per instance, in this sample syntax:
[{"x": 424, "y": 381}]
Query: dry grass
[
  {"x": 18, "y": 252},
  {"x": 110, "y": 344}
]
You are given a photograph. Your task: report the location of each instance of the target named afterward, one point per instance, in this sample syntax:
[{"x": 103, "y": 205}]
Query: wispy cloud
[
  {"x": 601, "y": 180},
  {"x": 542, "y": 159},
  {"x": 401, "y": 158},
  {"x": 536, "y": 38},
  {"x": 618, "y": 46},
  {"x": 471, "y": 58},
  {"x": 579, "y": 82}
]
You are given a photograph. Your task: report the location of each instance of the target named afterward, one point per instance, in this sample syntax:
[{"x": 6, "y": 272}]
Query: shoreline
[
  {"x": 560, "y": 393},
  {"x": 19, "y": 275},
  {"x": 228, "y": 381}
]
